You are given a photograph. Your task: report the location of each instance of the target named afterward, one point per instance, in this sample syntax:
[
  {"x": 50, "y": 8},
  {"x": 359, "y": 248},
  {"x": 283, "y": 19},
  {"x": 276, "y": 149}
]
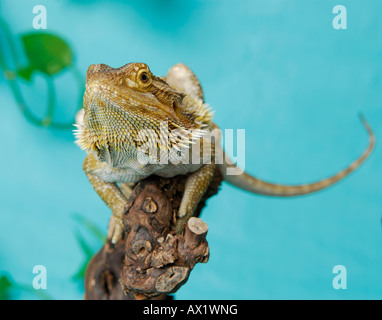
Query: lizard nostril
[
  {"x": 92, "y": 69},
  {"x": 98, "y": 68}
]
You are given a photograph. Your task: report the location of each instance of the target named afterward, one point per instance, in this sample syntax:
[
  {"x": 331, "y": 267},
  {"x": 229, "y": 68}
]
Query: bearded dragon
[{"x": 128, "y": 112}]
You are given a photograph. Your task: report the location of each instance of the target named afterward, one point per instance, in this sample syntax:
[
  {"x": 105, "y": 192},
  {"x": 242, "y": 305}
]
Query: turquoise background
[{"x": 276, "y": 68}]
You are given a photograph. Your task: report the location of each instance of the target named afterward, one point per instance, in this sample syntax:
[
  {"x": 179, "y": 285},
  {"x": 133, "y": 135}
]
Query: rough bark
[{"x": 152, "y": 260}]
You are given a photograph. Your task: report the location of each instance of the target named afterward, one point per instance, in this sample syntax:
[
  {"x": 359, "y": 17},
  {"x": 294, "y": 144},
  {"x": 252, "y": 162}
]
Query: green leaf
[
  {"x": 47, "y": 52},
  {"x": 25, "y": 73},
  {"x": 90, "y": 226},
  {"x": 80, "y": 274},
  {"x": 38, "y": 293},
  {"x": 86, "y": 249},
  {"x": 5, "y": 286},
  {"x": 88, "y": 252}
]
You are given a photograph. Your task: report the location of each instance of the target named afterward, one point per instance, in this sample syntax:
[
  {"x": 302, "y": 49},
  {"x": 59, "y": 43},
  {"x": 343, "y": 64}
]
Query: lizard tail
[{"x": 255, "y": 185}]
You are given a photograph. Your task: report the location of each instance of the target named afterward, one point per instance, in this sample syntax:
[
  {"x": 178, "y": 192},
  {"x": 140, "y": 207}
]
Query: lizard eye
[{"x": 144, "y": 78}]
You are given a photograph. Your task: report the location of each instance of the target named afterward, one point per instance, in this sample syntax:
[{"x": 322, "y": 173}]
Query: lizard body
[{"x": 129, "y": 113}]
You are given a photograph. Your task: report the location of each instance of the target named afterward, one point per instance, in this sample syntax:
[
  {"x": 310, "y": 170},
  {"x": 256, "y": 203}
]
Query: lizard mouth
[{"x": 129, "y": 100}]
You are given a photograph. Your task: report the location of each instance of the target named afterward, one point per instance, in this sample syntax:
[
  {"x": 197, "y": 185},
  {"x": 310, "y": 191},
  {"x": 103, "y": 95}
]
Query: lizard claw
[
  {"x": 185, "y": 212},
  {"x": 115, "y": 229}
]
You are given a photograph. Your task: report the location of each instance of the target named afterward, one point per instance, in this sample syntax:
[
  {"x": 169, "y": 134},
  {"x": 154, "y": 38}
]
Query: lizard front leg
[
  {"x": 182, "y": 78},
  {"x": 196, "y": 185},
  {"x": 110, "y": 193},
  {"x": 127, "y": 189}
]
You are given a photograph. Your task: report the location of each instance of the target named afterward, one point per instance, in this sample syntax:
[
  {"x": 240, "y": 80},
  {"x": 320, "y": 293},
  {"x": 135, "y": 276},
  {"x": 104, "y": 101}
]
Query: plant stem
[
  {"x": 51, "y": 100},
  {"x": 12, "y": 46}
]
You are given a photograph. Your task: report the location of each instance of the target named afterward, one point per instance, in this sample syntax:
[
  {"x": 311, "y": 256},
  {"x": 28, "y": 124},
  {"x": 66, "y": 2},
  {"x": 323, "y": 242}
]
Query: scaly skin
[{"x": 120, "y": 104}]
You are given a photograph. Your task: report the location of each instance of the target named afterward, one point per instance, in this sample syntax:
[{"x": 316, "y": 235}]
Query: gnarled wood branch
[{"x": 151, "y": 260}]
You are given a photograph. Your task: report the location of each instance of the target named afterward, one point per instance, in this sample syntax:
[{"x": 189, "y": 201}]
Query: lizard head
[
  {"x": 119, "y": 102},
  {"x": 131, "y": 88}
]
